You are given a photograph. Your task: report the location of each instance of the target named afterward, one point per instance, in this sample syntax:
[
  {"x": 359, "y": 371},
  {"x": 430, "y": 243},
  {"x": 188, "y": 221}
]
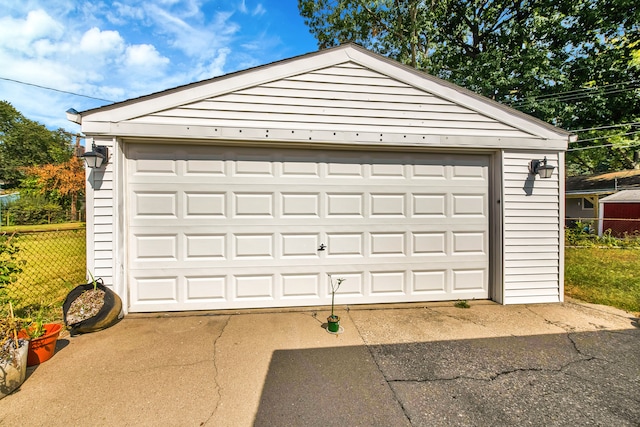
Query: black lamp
[
  {"x": 541, "y": 168},
  {"x": 98, "y": 156}
]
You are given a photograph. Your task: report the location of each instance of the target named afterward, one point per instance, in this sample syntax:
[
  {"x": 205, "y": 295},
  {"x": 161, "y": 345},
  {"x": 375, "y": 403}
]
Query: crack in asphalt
[
  {"x": 493, "y": 376},
  {"x": 215, "y": 376}
]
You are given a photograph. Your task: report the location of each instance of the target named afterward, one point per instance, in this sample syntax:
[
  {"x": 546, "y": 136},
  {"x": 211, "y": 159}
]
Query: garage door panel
[
  {"x": 155, "y": 204},
  {"x": 155, "y": 289},
  {"x": 199, "y": 204},
  {"x": 205, "y": 247},
  {"x": 206, "y": 289},
  {"x": 241, "y": 228},
  {"x": 300, "y": 205},
  {"x": 254, "y": 287},
  {"x": 253, "y": 246},
  {"x": 468, "y": 279},
  {"x": 301, "y": 286},
  {"x": 155, "y": 247},
  {"x": 469, "y": 205}
]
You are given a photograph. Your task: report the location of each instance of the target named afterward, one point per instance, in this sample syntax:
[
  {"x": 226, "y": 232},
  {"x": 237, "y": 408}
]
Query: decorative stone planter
[{"x": 13, "y": 372}]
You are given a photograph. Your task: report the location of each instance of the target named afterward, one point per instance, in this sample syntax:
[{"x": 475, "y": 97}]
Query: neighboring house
[
  {"x": 583, "y": 193},
  {"x": 249, "y": 189},
  {"x": 620, "y": 213}
]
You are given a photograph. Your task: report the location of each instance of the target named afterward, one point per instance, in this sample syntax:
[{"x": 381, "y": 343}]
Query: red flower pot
[{"x": 42, "y": 348}]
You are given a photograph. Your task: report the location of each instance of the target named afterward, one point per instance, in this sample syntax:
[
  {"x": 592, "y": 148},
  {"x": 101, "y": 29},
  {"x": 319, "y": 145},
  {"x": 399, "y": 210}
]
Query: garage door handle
[{"x": 322, "y": 247}]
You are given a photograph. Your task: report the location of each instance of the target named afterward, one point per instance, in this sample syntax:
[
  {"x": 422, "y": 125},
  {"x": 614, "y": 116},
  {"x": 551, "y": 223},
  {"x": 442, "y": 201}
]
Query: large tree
[
  {"x": 572, "y": 63},
  {"x": 66, "y": 179},
  {"x": 24, "y": 142}
]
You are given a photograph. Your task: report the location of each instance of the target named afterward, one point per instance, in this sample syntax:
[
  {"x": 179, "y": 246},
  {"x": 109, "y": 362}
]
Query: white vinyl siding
[
  {"x": 343, "y": 98},
  {"x": 100, "y": 217},
  {"x": 532, "y": 232}
]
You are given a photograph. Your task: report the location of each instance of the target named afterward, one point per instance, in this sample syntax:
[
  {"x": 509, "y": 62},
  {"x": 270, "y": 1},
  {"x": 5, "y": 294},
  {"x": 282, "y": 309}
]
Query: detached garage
[{"x": 250, "y": 189}]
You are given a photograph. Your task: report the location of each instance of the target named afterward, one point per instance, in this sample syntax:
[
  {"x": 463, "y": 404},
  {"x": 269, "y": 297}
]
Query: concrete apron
[{"x": 428, "y": 364}]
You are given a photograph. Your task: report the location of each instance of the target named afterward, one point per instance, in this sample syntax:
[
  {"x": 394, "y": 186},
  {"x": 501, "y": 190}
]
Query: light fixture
[
  {"x": 98, "y": 156},
  {"x": 541, "y": 168}
]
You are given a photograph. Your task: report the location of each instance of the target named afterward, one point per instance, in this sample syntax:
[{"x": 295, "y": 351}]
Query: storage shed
[
  {"x": 253, "y": 188},
  {"x": 620, "y": 213}
]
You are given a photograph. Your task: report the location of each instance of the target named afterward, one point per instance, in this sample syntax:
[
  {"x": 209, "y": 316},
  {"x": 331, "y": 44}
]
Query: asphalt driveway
[{"x": 411, "y": 365}]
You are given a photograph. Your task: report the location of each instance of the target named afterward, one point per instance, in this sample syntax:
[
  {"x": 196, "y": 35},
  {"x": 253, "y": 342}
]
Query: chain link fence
[
  {"x": 46, "y": 266},
  {"x": 622, "y": 227}
]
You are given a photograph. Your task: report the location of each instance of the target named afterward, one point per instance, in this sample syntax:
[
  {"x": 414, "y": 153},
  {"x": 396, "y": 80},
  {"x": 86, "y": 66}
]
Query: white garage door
[{"x": 219, "y": 227}]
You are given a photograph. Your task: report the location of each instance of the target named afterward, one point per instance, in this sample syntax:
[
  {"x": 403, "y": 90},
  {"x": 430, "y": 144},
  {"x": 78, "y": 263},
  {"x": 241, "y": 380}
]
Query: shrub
[
  {"x": 10, "y": 265},
  {"x": 35, "y": 210},
  {"x": 583, "y": 234}
]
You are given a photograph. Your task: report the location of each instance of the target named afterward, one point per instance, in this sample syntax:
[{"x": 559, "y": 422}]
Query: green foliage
[
  {"x": 53, "y": 263},
  {"x": 37, "y": 318},
  {"x": 461, "y": 304},
  {"x": 582, "y": 234},
  {"x": 574, "y": 64},
  {"x": 604, "y": 276},
  {"x": 10, "y": 262},
  {"x": 34, "y": 209},
  {"x": 24, "y": 142}
]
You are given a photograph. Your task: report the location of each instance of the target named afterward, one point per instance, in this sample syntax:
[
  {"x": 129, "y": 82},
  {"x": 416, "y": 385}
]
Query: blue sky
[{"x": 116, "y": 50}]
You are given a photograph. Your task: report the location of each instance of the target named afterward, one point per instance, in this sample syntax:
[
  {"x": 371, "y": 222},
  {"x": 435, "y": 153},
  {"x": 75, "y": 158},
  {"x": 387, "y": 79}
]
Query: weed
[
  {"x": 461, "y": 303},
  {"x": 604, "y": 276}
]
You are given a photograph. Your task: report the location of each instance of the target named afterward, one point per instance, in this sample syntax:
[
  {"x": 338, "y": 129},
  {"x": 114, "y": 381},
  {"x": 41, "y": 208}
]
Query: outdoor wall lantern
[
  {"x": 98, "y": 156},
  {"x": 541, "y": 168}
]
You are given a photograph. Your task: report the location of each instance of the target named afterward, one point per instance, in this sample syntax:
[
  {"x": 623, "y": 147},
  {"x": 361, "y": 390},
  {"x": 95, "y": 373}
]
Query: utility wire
[
  {"x": 606, "y": 127},
  {"x": 585, "y": 89},
  {"x": 602, "y": 146},
  {"x": 605, "y": 137},
  {"x": 55, "y": 90},
  {"x": 580, "y": 93}
]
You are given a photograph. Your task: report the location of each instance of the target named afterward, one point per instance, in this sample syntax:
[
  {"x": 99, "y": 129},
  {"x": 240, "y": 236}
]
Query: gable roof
[
  {"x": 603, "y": 183},
  {"x": 345, "y": 89},
  {"x": 624, "y": 196}
]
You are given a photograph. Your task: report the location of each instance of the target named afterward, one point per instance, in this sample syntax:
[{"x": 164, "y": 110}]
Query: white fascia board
[
  {"x": 457, "y": 95},
  {"x": 297, "y": 136}
]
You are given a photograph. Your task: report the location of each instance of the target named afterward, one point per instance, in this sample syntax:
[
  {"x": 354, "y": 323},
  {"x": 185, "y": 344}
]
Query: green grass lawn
[
  {"x": 54, "y": 263},
  {"x": 608, "y": 276}
]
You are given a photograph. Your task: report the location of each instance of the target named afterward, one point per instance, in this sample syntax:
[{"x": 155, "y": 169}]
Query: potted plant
[
  {"x": 333, "y": 321},
  {"x": 91, "y": 307},
  {"x": 42, "y": 336},
  {"x": 13, "y": 353}
]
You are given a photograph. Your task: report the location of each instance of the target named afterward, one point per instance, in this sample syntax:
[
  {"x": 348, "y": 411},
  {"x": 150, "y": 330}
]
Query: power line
[
  {"x": 55, "y": 90},
  {"x": 605, "y": 137},
  {"x": 605, "y": 127},
  {"x": 602, "y": 146},
  {"x": 580, "y": 93}
]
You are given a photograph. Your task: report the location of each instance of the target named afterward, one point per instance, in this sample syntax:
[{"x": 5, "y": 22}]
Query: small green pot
[{"x": 333, "y": 323}]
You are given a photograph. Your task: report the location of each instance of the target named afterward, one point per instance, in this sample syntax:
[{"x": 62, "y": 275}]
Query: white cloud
[
  {"x": 242, "y": 7},
  {"x": 97, "y": 42},
  {"x": 121, "y": 14},
  {"x": 120, "y": 49},
  {"x": 215, "y": 67},
  {"x": 259, "y": 10},
  {"x": 19, "y": 34},
  {"x": 144, "y": 55},
  {"x": 196, "y": 40}
]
